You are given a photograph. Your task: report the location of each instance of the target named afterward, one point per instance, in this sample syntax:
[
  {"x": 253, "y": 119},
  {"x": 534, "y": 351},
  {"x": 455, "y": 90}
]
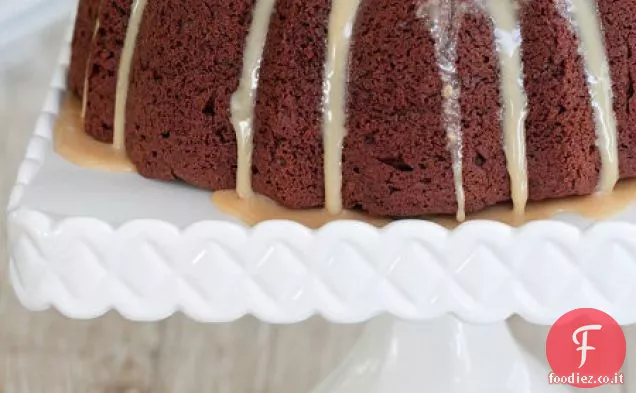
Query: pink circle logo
[{"x": 586, "y": 349}]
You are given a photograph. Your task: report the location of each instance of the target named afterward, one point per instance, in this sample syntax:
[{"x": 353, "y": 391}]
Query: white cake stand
[
  {"x": 87, "y": 242},
  {"x": 443, "y": 355}
]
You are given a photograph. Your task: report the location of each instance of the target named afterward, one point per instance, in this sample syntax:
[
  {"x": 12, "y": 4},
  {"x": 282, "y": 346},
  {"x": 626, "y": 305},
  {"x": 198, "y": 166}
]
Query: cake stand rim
[{"x": 348, "y": 272}]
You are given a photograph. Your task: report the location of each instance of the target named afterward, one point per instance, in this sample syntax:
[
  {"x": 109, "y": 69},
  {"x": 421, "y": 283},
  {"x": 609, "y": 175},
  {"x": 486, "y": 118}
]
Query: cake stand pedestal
[{"x": 444, "y": 355}]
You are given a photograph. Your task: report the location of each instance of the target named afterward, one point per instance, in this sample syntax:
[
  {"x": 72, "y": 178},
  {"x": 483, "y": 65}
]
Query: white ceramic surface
[
  {"x": 440, "y": 356},
  {"x": 86, "y": 242},
  {"x": 20, "y": 18}
]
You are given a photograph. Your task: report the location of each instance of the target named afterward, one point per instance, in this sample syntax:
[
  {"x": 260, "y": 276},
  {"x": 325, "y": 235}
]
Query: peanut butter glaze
[
  {"x": 444, "y": 20},
  {"x": 123, "y": 77},
  {"x": 259, "y": 209},
  {"x": 342, "y": 19},
  {"x": 72, "y": 143},
  {"x": 242, "y": 104},
  {"x": 77, "y": 147},
  {"x": 504, "y": 14}
]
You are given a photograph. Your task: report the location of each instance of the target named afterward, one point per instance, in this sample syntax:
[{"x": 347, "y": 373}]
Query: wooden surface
[{"x": 44, "y": 352}]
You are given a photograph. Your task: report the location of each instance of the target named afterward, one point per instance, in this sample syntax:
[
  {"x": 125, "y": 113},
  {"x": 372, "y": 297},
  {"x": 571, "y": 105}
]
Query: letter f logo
[{"x": 583, "y": 343}]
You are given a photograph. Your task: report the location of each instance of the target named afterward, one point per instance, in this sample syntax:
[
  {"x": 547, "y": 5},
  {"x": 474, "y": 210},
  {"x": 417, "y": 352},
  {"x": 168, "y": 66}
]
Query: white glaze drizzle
[
  {"x": 444, "y": 20},
  {"x": 123, "y": 74},
  {"x": 584, "y": 19},
  {"x": 504, "y": 14},
  {"x": 243, "y": 100},
  {"x": 341, "y": 21}
]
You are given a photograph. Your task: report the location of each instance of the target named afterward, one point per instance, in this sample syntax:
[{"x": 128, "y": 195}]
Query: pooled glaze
[
  {"x": 257, "y": 209},
  {"x": 72, "y": 143}
]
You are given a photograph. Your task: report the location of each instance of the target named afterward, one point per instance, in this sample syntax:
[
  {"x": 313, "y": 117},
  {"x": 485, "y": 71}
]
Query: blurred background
[{"x": 44, "y": 352}]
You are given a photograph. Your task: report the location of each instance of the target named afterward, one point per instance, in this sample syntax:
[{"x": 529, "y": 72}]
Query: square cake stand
[{"x": 86, "y": 242}]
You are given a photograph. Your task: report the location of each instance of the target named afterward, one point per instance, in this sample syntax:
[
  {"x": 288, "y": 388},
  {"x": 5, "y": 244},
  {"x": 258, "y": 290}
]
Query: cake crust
[
  {"x": 619, "y": 25},
  {"x": 86, "y": 18},
  {"x": 395, "y": 158},
  {"x": 183, "y": 74},
  {"x": 485, "y": 174},
  {"x": 560, "y": 132},
  {"x": 103, "y": 65},
  {"x": 288, "y": 148}
]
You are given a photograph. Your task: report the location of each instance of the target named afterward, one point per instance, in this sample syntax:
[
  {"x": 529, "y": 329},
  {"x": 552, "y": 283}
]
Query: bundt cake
[{"x": 397, "y": 108}]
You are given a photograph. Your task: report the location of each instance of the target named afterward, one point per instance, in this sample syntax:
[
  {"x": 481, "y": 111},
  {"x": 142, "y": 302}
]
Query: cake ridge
[
  {"x": 619, "y": 26},
  {"x": 88, "y": 61},
  {"x": 84, "y": 27},
  {"x": 561, "y": 136},
  {"x": 584, "y": 19},
  {"x": 288, "y": 154}
]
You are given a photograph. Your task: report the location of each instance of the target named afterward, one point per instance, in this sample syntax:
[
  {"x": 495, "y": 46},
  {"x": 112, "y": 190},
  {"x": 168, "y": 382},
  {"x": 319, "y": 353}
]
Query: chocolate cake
[
  {"x": 103, "y": 66},
  {"x": 486, "y": 179},
  {"x": 85, "y": 24},
  {"x": 288, "y": 151},
  {"x": 395, "y": 108},
  {"x": 560, "y": 134},
  {"x": 619, "y": 25},
  {"x": 185, "y": 68},
  {"x": 395, "y": 159}
]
